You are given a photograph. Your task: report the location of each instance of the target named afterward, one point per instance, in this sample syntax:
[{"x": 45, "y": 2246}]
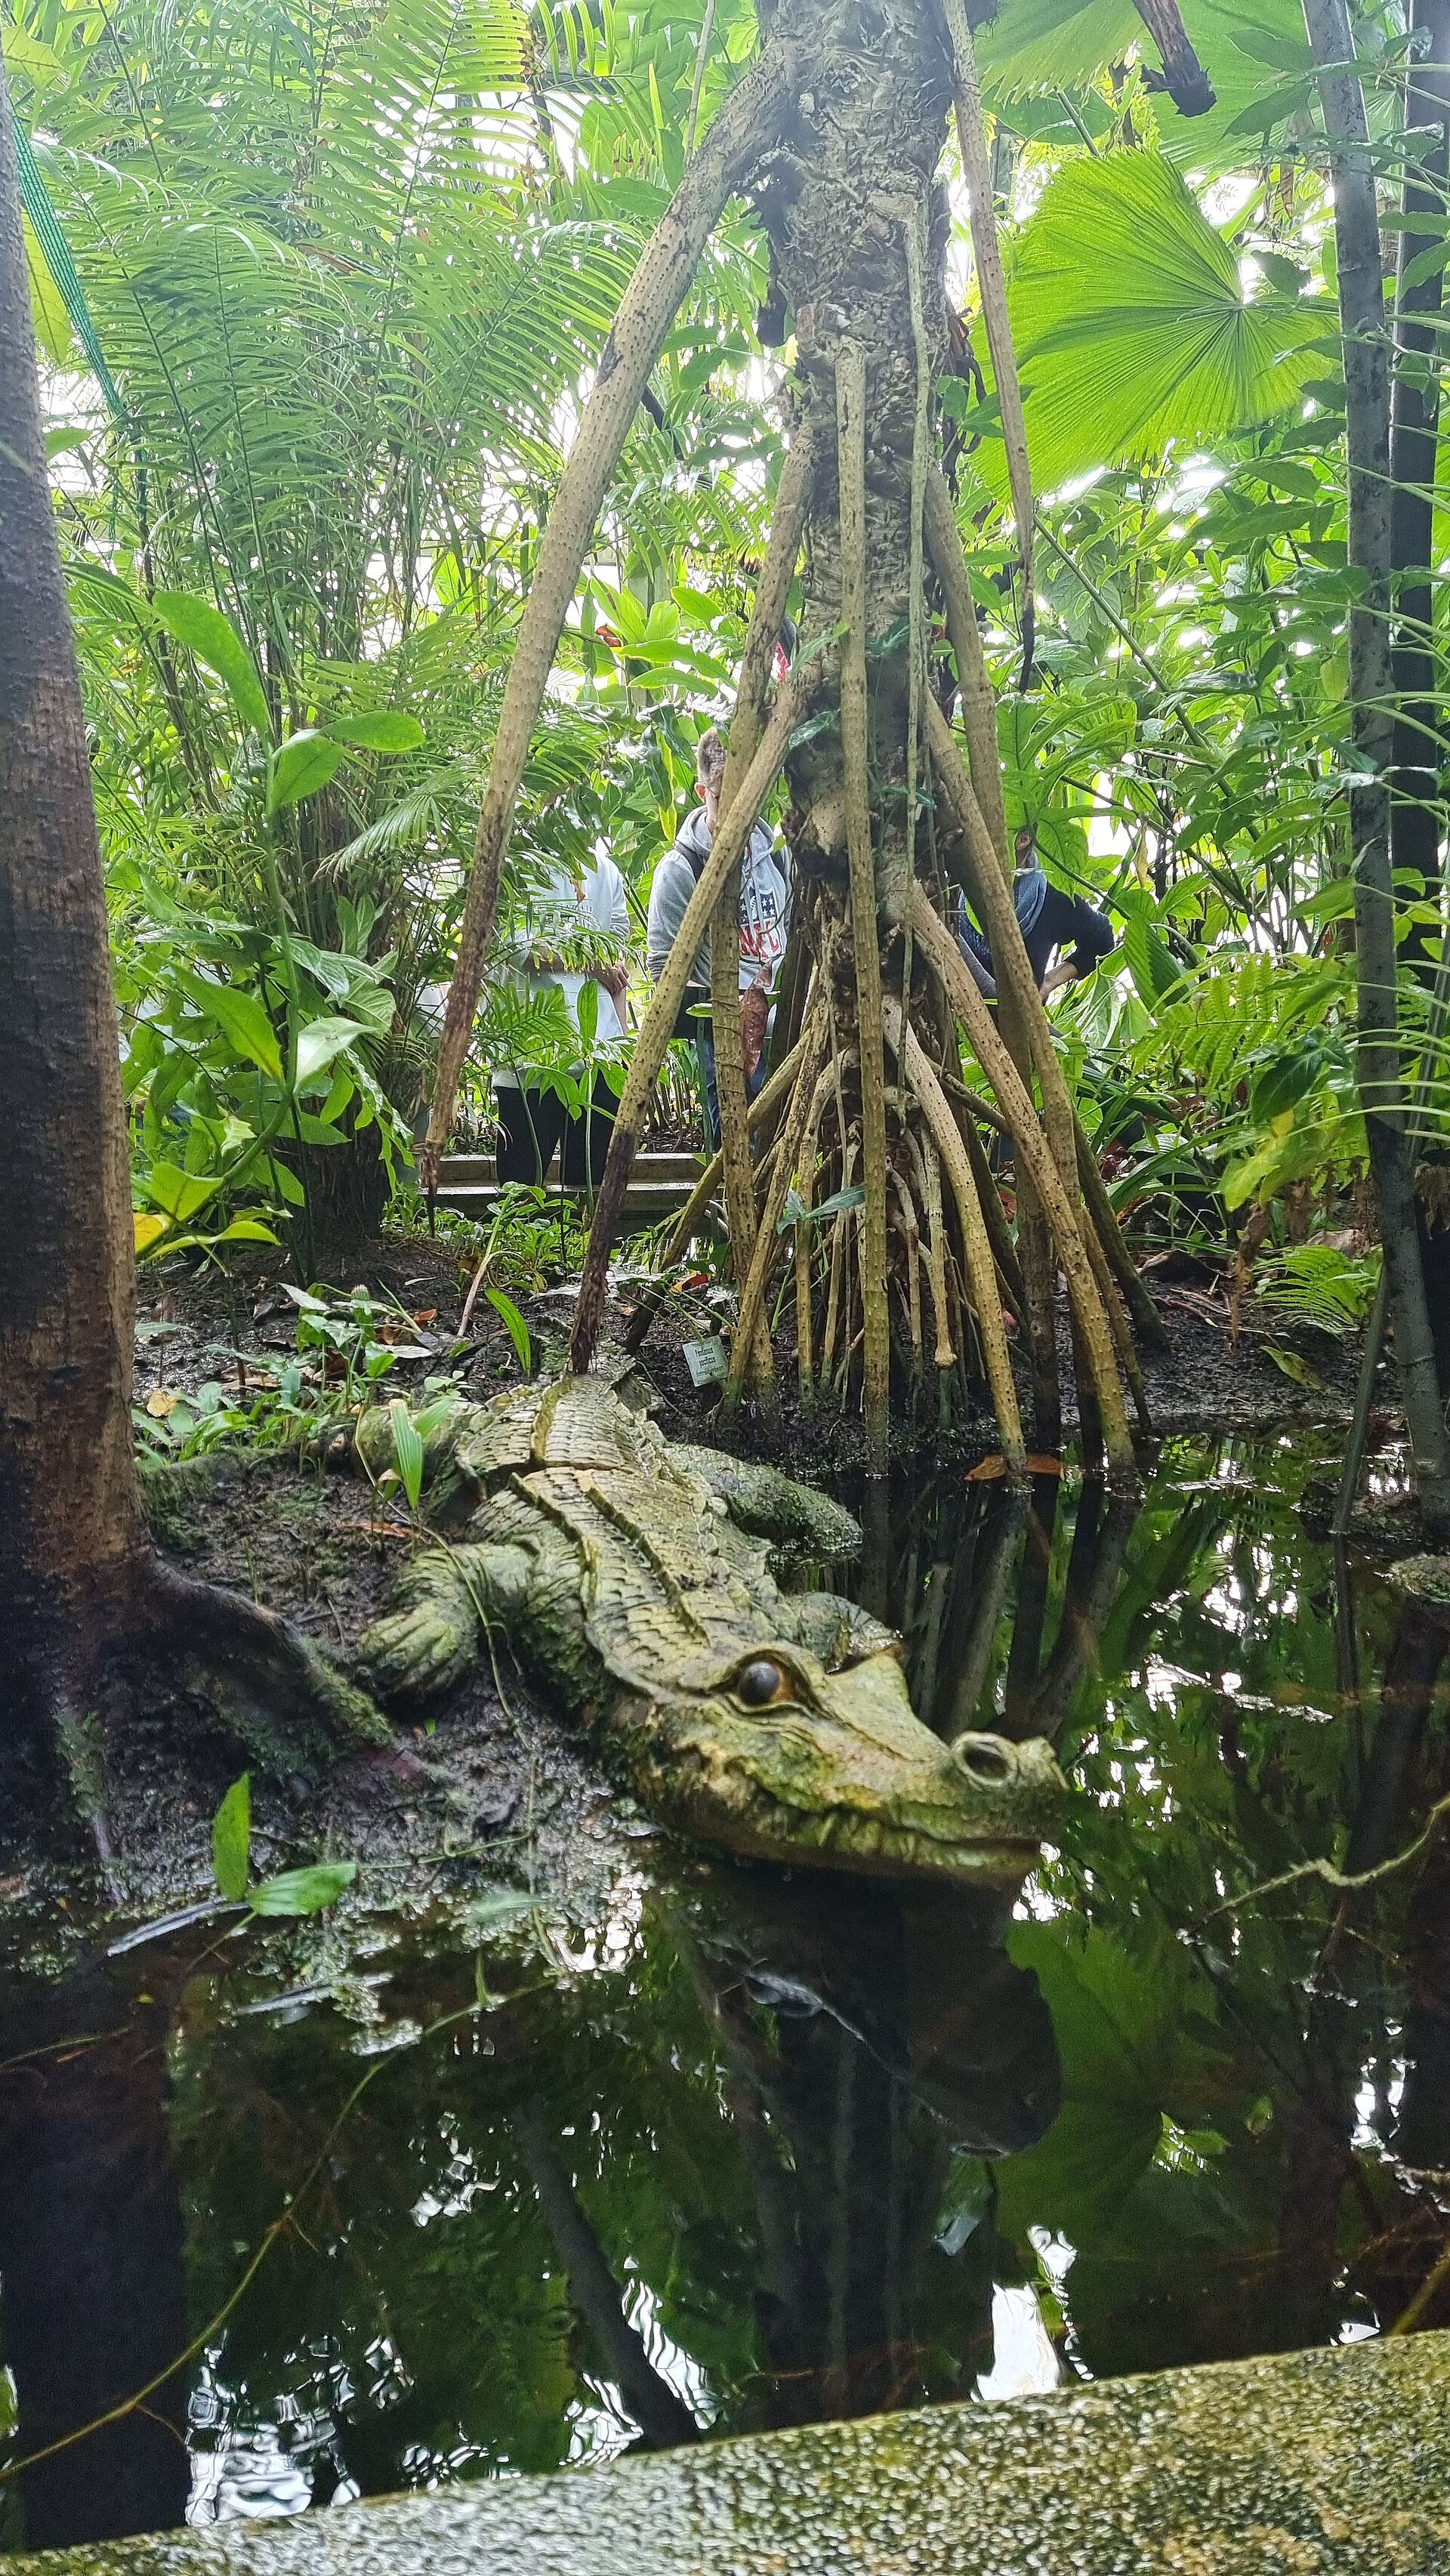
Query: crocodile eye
[{"x": 760, "y": 1683}]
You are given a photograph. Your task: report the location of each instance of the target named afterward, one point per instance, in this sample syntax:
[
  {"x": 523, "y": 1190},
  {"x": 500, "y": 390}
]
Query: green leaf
[
  {"x": 241, "y": 1019},
  {"x": 320, "y": 1041},
  {"x": 407, "y": 1450},
  {"x": 246, "y": 1229},
  {"x": 215, "y": 641},
  {"x": 47, "y": 304},
  {"x": 303, "y": 1891},
  {"x": 1132, "y": 326},
  {"x": 1293, "y": 1366},
  {"x": 231, "y": 1838},
  {"x": 386, "y": 729},
  {"x": 304, "y": 764},
  {"x": 518, "y": 1331},
  {"x": 179, "y": 1193}
]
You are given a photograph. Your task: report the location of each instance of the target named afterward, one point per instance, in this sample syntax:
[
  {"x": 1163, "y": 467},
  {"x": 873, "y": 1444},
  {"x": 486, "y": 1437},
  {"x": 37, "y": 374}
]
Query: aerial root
[{"x": 276, "y": 1687}]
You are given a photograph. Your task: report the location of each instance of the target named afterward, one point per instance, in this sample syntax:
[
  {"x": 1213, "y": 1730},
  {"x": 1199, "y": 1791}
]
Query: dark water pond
[{"x": 523, "y": 2185}]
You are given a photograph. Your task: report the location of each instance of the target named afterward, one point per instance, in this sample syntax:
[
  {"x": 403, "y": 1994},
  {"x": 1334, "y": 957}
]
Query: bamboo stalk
[
  {"x": 918, "y": 1069},
  {"x": 976, "y": 169},
  {"x": 865, "y": 937},
  {"x": 657, "y": 1026},
  {"x": 662, "y": 279},
  {"x": 1034, "y": 1159}
]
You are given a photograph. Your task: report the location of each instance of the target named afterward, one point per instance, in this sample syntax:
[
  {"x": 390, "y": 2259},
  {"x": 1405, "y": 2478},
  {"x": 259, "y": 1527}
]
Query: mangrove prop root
[
  {"x": 1147, "y": 1322},
  {"x": 981, "y": 1269},
  {"x": 771, "y": 593},
  {"x": 801, "y": 1118},
  {"x": 976, "y": 169},
  {"x": 979, "y": 706},
  {"x": 1034, "y": 1159},
  {"x": 764, "y": 1105},
  {"x": 865, "y": 937},
  {"x": 657, "y": 1026},
  {"x": 257, "y": 1664},
  {"x": 648, "y": 306}
]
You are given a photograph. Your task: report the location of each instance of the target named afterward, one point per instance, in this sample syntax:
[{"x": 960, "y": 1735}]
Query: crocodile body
[{"x": 633, "y": 1582}]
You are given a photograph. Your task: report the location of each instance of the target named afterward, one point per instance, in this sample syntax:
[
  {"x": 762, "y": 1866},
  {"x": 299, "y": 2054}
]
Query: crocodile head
[{"x": 774, "y": 1757}]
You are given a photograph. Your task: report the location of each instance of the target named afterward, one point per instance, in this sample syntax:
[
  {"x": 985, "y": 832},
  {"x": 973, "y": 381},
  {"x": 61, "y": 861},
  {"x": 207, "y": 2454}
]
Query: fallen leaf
[
  {"x": 426, "y": 1315},
  {"x": 1040, "y": 1466},
  {"x": 987, "y": 1470},
  {"x": 161, "y": 1401},
  {"x": 1293, "y": 1366}
]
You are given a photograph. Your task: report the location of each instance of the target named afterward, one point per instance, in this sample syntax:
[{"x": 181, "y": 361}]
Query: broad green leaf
[
  {"x": 241, "y": 1019},
  {"x": 304, "y": 764},
  {"x": 147, "y": 1227},
  {"x": 246, "y": 1229},
  {"x": 215, "y": 641},
  {"x": 47, "y": 304},
  {"x": 386, "y": 729},
  {"x": 407, "y": 1451},
  {"x": 303, "y": 1891},
  {"x": 180, "y": 1193},
  {"x": 231, "y": 1838},
  {"x": 1053, "y": 44},
  {"x": 320, "y": 1041},
  {"x": 518, "y": 1331},
  {"x": 1132, "y": 326}
]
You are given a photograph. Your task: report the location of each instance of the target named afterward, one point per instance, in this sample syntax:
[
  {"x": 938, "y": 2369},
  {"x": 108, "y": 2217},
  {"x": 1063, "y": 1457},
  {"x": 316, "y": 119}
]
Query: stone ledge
[{"x": 1301, "y": 2464}]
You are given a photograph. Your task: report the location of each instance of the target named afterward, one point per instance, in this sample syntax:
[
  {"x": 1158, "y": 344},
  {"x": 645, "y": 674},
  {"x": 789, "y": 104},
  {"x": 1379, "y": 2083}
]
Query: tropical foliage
[{"x": 347, "y": 282}]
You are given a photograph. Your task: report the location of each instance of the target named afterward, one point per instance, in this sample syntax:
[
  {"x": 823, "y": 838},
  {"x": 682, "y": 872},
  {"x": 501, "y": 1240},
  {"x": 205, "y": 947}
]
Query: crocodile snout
[{"x": 1022, "y": 1778}]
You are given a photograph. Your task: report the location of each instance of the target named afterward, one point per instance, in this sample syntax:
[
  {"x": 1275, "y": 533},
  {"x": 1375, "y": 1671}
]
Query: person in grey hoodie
[{"x": 764, "y": 925}]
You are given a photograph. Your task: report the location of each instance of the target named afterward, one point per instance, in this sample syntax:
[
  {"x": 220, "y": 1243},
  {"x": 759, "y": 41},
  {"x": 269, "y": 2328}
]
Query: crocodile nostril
[{"x": 985, "y": 1758}]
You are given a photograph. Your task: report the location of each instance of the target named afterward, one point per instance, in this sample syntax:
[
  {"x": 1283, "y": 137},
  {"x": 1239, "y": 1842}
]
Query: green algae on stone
[{"x": 1323, "y": 2463}]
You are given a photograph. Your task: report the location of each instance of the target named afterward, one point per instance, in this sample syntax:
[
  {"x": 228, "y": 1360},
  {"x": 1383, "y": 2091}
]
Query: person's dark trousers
[
  {"x": 755, "y": 1082},
  {"x": 531, "y": 1125}
]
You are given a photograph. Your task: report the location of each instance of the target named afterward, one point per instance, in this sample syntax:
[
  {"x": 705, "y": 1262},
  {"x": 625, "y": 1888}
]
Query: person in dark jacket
[{"x": 1049, "y": 920}]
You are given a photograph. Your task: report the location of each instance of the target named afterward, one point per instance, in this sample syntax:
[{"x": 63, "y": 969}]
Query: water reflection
[{"x": 726, "y": 2150}]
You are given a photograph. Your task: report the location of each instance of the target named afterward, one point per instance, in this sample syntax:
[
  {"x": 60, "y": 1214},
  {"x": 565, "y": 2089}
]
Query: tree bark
[
  {"x": 79, "y": 1581},
  {"x": 1416, "y": 812},
  {"x": 71, "y": 1530},
  {"x": 1371, "y": 683}
]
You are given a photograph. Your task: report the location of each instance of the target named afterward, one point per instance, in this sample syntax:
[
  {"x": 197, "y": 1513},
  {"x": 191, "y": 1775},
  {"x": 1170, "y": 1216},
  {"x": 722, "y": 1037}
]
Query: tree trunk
[
  {"x": 79, "y": 1581},
  {"x": 71, "y": 1531},
  {"x": 1416, "y": 814},
  {"x": 1371, "y": 684},
  {"x": 849, "y": 103}
]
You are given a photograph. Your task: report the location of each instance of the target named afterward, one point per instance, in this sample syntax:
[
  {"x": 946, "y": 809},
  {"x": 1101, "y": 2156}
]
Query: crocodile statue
[{"x": 631, "y": 1578}]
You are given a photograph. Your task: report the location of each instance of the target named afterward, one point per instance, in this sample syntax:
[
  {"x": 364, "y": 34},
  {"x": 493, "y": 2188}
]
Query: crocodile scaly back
[
  {"x": 576, "y": 1422},
  {"x": 671, "y": 1594}
]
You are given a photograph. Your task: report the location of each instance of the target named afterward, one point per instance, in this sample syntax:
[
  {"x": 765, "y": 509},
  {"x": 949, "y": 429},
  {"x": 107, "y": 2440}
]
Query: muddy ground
[{"x": 497, "y": 1785}]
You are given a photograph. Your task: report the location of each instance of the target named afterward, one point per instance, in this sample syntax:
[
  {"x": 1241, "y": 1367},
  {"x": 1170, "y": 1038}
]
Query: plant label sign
[{"x": 706, "y": 1361}]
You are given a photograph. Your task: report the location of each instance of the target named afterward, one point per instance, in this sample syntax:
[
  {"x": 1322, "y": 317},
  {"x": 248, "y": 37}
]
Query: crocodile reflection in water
[
  {"x": 868, "y": 2039},
  {"x": 626, "y": 1573}
]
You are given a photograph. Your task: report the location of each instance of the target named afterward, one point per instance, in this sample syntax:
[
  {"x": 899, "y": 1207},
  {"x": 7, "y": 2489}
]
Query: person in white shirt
[
  {"x": 532, "y": 1119},
  {"x": 764, "y": 925}
]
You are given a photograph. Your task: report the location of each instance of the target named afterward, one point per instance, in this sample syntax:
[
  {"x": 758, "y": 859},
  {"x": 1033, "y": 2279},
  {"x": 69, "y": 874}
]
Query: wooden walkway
[{"x": 659, "y": 1185}]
